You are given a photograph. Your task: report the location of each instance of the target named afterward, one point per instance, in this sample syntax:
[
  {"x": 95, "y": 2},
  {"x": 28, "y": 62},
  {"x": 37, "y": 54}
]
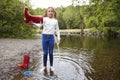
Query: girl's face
[{"x": 50, "y": 12}]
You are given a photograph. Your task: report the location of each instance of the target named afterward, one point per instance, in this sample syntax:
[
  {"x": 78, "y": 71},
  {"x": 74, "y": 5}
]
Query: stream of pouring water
[{"x": 58, "y": 49}]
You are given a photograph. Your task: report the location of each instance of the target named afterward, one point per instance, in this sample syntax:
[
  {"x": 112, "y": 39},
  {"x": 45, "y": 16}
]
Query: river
[{"x": 82, "y": 58}]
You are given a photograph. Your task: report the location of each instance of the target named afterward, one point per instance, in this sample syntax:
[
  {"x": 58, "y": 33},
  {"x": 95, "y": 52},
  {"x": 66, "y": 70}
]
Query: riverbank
[
  {"x": 88, "y": 32},
  {"x": 12, "y": 52}
]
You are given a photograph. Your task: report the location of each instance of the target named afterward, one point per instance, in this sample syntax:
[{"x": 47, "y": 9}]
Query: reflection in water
[
  {"x": 84, "y": 58},
  {"x": 106, "y": 57}
]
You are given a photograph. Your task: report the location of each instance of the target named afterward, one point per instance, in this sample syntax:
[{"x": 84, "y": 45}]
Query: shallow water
[{"x": 82, "y": 58}]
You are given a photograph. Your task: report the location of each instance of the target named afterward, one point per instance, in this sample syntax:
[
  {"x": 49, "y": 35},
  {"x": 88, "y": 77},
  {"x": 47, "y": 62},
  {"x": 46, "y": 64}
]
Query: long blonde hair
[{"x": 45, "y": 15}]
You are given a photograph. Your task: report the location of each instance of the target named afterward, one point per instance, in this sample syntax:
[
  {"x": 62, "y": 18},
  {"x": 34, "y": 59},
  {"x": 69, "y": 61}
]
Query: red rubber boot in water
[
  {"x": 28, "y": 17},
  {"x": 25, "y": 62}
]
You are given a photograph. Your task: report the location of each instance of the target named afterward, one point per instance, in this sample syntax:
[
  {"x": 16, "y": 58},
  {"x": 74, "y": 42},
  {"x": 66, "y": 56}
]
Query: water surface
[{"x": 83, "y": 58}]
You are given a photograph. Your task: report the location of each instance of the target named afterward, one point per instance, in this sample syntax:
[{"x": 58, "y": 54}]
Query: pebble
[{"x": 12, "y": 52}]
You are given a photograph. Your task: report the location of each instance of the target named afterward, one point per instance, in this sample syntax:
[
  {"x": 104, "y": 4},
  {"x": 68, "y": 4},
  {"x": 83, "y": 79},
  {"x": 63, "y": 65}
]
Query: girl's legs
[
  {"x": 48, "y": 45},
  {"x": 45, "y": 49},
  {"x": 51, "y": 47}
]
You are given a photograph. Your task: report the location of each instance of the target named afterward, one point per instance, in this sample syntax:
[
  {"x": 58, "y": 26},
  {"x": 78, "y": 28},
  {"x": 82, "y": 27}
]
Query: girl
[{"x": 50, "y": 27}]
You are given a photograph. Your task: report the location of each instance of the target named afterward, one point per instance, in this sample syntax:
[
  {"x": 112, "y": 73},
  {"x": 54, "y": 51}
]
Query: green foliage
[
  {"x": 12, "y": 20},
  {"x": 105, "y": 14},
  {"x": 100, "y": 14},
  {"x": 71, "y": 17},
  {"x": 60, "y": 17}
]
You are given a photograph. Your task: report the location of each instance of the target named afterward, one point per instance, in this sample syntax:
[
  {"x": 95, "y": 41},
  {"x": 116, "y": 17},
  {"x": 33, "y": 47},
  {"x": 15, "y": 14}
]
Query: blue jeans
[{"x": 48, "y": 46}]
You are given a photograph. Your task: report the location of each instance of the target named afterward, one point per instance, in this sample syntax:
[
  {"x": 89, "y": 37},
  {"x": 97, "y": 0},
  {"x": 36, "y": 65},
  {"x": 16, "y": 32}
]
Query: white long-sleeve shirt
[{"x": 50, "y": 26}]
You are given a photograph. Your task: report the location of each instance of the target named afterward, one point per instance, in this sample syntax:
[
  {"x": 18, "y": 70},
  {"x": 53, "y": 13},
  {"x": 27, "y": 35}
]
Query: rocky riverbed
[{"x": 12, "y": 52}]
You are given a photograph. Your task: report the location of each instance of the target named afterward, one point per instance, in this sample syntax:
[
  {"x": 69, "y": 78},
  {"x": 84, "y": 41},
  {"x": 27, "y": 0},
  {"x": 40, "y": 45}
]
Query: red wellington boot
[
  {"x": 28, "y": 17},
  {"x": 25, "y": 62}
]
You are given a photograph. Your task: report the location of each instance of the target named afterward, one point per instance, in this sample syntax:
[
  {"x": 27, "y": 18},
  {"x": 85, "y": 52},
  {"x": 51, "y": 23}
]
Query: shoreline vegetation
[
  {"x": 103, "y": 20},
  {"x": 69, "y": 17}
]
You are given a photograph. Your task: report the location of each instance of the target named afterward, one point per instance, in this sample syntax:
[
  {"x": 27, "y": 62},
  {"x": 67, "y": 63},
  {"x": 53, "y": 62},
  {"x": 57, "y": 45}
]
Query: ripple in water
[{"x": 69, "y": 64}]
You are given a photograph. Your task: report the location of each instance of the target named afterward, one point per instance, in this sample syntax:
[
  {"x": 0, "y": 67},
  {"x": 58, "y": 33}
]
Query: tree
[
  {"x": 77, "y": 3},
  {"x": 106, "y": 13},
  {"x": 61, "y": 21},
  {"x": 12, "y": 20}
]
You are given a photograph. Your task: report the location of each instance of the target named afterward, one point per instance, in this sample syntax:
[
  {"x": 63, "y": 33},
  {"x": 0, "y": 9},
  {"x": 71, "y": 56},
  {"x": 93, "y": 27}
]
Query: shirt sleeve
[
  {"x": 57, "y": 31},
  {"x": 37, "y": 25}
]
